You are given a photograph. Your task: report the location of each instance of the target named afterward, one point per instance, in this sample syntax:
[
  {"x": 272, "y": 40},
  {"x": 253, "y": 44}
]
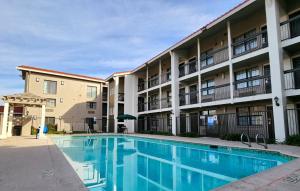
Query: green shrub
[
  {"x": 157, "y": 133},
  {"x": 231, "y": 137},
  {"x": 293, "y": 140},
  {"x": 189, "y": 134}
]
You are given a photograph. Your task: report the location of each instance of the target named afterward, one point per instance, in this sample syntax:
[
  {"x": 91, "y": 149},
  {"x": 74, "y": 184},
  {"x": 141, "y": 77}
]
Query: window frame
[
  {"x": 89, "y": 92},
  {"x": 47, "y": 87}
]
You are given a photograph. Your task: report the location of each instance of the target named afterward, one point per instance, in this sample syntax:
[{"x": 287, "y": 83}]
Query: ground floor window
[{"x": 50, "y": 120}]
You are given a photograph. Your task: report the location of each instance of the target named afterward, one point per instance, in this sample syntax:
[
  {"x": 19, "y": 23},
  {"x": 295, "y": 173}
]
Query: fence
[
  {"x": 290, "y": 28},
  {"x": 152, "y": 125},
  {"x": 223, "y": 124}
]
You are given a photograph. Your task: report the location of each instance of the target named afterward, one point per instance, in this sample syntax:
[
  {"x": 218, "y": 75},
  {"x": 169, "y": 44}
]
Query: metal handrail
[
  {"x": 264, "y": 139},
  {"x": 248, "y": 139}
]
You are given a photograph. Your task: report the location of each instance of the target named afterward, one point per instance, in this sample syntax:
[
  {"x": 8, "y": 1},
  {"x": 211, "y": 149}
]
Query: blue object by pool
[{"x": 124, "y": 163}]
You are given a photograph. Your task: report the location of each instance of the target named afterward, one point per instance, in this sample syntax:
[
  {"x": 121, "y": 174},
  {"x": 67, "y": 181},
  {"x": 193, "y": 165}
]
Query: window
[
  {"x": 247, "y": 116},
  {"x": 208, "y": 87},
  {"x": 50, "y": 87},
  {"x": 50, "y": 120},
  {"x": 51, "y": 102},
  {"x": 243, "y": 78},
  {"x": 91, "y": 105},
  {"x": 245, "y": 42},
  {"x": 91, "y": 92},
  {"x": 207, "y": 58}
]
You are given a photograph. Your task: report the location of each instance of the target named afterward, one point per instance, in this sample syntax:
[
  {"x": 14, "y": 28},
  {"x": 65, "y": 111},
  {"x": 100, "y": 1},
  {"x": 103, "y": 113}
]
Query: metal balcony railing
[
  {"x": 214, "y": 57},
  {"x": 165, "y": 77},
  {"x": 252, "y": 86},
  {"x": 189, "y": 68},
  {"x": 142, "y": 106},
  {"x": 215, "y": 93},
  {"x": 104, "y": 97},
  {"x": 290, "y": 28},
  {"x": 250, "y": 44},
  {"x": 189, "y": 98},
  {"x": 153, "y": 81},
  {"x": 142, "y": 85},
  {"x": 292, "y": 79},
  {"x": 166, "y": 102},
  {"x": 153, "y": 104}
]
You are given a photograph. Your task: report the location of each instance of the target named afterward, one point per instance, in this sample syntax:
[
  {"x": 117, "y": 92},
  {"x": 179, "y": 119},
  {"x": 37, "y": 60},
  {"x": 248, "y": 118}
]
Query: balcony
[
  {"x": 189, "y": 98},
  {"x": 142, "y": 106},
  {"x": 250, "y": 43},
  {"x": 214, "y": 57},
  {"x": 165, "y": 77},
  {"x": 189, "y": 68},
  {"x": 153, "y": 104},
  {"x": 154, "y": 81},
  {"x": 292, "y": 79},
  {"x": 142, "y": 85},
  {"x": 166, "y": 102},
  {"x": 215, "y": 93},
  {"x": 290, "y": 28},
  {"x": 252, "y": 86},
  {"x": 104, "y": 96},
  {"x": 121, "y": 97}
]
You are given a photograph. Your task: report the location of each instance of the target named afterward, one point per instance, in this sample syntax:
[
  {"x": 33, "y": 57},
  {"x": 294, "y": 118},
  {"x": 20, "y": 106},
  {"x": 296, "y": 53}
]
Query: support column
[
  {"x": 5, "y": 120},
  {"x": 146, "y": 85},
  {"x": 199, "y": 65},
  {"x": 116, "y": 105},
  {"x": 160, "y": 80},
  {"x": 175, "y": 90},
  {"x": 231, "y": 76},
  {"x": 10, "y": 121},
  {"x": 108, "y": 106},
  {"x": 41, "y": 134},
  {"x": 275, "y": 57}
]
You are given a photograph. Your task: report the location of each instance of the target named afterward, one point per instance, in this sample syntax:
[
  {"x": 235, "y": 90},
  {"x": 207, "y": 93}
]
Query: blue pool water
[{"x": 124, "y": 163}]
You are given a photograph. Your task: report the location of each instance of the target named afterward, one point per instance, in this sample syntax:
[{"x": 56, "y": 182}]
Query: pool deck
[{"x": 28, "y": 164}]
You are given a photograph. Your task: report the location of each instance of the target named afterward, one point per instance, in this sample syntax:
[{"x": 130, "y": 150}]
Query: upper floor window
[
  {"x": 91, "y": 92},
  {"x": 207, "y": 87},
  {"x": 50, "y": 87},
  {"x": 245, "y": 42},
  {"x": 51, "y": 102},
  {"x": 91, "y": 105},
  {"x": 242, "y": 77}
]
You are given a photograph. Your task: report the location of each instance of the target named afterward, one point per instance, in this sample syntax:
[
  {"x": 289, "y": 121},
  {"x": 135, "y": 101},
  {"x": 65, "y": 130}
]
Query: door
[
  {"x": 296, "y": 67},
  {"x": 270, "y": 125},
  {"x": 267, "y": 74},
  {"x": 295, "y": 24},
  {"x": 264, "y": 36},
  {"x": 194, "y": 123},
  {"x": 193, "y": 94}
]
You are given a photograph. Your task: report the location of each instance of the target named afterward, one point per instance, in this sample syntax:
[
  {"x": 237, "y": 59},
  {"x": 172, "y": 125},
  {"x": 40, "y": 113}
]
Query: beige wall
[
  {"x": 218, "y": 40},
  {"x": 71, "y": 102}
]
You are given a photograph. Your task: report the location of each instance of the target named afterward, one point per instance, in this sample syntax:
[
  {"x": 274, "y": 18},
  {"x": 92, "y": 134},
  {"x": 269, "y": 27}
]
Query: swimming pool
[{"x": 126, "y": 163}]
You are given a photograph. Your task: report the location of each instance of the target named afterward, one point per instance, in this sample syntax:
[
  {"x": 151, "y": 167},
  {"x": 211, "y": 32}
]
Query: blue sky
[{"x": 93, "y": 37}]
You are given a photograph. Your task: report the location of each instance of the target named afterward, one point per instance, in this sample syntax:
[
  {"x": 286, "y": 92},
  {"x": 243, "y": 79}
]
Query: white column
[
  {"x": 108, "y": 111},
  {"x": 10, "y": 121},
  {"x": 4, "y": 122},
  {"x": 159, "y": 71},
  {"x": 199, "y": 65},
  {"x": 230, "y": 60},
  {"x": 41, "y": 133},
  {"x": 147, "y": 94},
  {"x": 275, "y": 57},
  {"x": 116, "y": 106},
  {"x": 175, "y": 90}
]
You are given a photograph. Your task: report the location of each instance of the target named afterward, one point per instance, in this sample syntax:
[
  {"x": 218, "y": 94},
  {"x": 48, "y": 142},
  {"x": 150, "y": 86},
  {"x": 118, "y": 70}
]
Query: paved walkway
[{"x": 27, "y": 164}]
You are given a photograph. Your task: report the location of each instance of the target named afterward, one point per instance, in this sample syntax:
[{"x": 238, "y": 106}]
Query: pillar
[
  {"x": 199, "y": 66},
  {"x": 116, "y": 105},
  {"x": 231, "y": 76},
  {"x": 10, "y": 121},
  {"x": 41, "y": 134},
  {"x": 275, "y": 58},
  {"x": 175, "y": 90},
  {"x": 4, "y": 122}
]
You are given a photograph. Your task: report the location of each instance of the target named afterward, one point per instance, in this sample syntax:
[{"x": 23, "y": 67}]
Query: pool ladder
[
  {"x": 248, "y": 139},
  {"x": 264, "y": 144}
]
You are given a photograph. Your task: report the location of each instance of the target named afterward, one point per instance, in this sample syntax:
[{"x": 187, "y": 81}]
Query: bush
[
  {"x": 189, "y": 134},
  {"x": 231, "y": 137},
  {"x": 293, "y": 140},
  {"x": 157, "y": 133}
]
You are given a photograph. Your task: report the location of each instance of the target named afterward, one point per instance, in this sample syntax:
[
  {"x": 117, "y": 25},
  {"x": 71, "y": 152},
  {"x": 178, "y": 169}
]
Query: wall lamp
[{"x": 276, "y": 99}]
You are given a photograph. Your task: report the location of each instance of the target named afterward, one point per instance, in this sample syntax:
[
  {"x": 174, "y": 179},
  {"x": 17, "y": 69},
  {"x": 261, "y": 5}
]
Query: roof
[
  {"x": 118, "y": 74},
  {"x": 58, "y": 73},
  {"x": 199, "y": 31}
]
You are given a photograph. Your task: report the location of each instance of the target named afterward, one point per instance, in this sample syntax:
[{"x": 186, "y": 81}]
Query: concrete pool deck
[{"x": 28, "y": 164}]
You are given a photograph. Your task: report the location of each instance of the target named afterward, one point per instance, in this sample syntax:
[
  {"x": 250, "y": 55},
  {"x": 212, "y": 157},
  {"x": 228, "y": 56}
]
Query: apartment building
[
  {"x": 73, "y": 102},
  {"x": 239, "y": 72}
]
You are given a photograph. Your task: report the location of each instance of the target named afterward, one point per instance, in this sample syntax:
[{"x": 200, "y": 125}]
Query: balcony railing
[
  {"x": 292, "y": 79},
  {"x": 153, "y": 81},
  {"x": 165, "y": 77},
  {"x": 142, "y": 106},
  {"x": 104, "y": 97},
  {"x": 166, "y": 102},
  {"x": 142, "y": 85},
  {"x": 189, "y": 98},
  {"x": 290, "y": 28},
  {"x": 121, "y": 97},
  {"x": 153, "y": 104},
  {"x": 214, "y": 57},
  {"x": 250, "y": 44},
  {"x": 252, "y": 86},
  {"x": 215, "y": 93},
  {"x": 189, "y": 68}
]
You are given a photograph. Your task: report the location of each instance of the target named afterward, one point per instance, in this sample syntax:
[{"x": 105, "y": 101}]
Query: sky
[{"x": 94, "y": 37}]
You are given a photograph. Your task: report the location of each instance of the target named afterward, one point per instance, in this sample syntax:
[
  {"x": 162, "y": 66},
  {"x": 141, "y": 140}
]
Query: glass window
[
  {"x": 207, "y": 87},
  {"x": 49, "y": 120},
  {"x": 50, "y": 87},
  {"x": 51, "y": 102},
  {"x": 91, "y": 105},
  {"x": 91, "y": 92},
  {"x": 247, "y": 74}
]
